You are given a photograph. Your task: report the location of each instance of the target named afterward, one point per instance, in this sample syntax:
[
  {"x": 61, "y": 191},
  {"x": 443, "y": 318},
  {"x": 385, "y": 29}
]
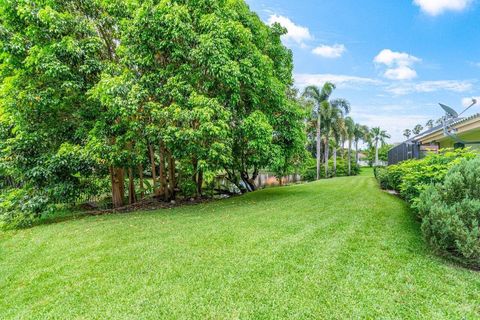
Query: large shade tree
[
  {"x": 184, "y": 88},
  {"x": 53, "y": 54}
]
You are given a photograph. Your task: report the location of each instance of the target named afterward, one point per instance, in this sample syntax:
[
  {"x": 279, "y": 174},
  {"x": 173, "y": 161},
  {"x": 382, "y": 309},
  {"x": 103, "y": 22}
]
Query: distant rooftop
[{"x": 452, "y": 122}]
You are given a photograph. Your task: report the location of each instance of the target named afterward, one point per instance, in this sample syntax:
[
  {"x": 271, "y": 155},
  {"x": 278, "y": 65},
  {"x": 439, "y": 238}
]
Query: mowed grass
[{"x": 335, "y": 249}]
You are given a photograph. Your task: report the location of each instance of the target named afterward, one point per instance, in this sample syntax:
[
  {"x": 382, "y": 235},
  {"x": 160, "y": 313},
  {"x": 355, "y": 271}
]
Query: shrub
[
  {"x": 451, "y": 213},
  {"x": 21, "y": 207},
  {"x": 411, "y": 177},
  {"x": 382, "y": 175}
]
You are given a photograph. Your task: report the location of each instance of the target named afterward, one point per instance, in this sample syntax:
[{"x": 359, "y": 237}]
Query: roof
[{"x": 439, "y": 128}]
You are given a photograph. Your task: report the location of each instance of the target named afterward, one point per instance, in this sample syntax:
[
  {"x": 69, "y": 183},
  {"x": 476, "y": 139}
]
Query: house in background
[
  {"x": 363, "y": 159},
  {"x": 466, "y": 129}
]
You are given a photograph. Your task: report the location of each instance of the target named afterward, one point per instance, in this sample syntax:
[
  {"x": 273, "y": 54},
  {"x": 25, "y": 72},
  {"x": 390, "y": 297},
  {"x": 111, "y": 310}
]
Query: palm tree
[
  {"x": 318, "y": 96},
  {"x": 361, "y": 133},
  {"x": 350, "y": 130},
  {"x": 330, "y": 112},
  {"x": 338, "y": 132},
  {"x": 378, "y": 136},
  {"x": 418, "y": 128},
  {"x": 429, "y": 124},
  {"x": 407, "y": 133}
]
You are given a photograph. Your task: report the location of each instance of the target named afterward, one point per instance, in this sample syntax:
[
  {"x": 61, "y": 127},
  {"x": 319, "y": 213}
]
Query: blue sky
[{"x": 393, "y": 60}]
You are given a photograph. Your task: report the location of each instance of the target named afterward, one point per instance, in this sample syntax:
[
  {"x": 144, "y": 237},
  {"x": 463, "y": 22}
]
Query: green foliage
[
  {"x": 20, "y": 207},
  {"x": 309, "y": 173},
  {"x": 450, "y": 212},
  {"x": 187, "y": 88},
  {"x": 411, "y": 177},
  {"x": 383, "y": 177}
]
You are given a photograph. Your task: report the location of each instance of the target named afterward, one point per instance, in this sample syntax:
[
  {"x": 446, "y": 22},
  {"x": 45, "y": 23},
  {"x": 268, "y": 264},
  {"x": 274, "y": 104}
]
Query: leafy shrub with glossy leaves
[
  {"x": 19, "y": 208},
  {"x": 411, "y": 177}
]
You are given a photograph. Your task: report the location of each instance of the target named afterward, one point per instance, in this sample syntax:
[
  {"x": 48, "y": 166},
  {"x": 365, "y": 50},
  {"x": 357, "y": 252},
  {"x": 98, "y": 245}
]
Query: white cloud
[
  {"x": 296, "y": 33},
  {"x": 399, "y": 64},
  {"x": 437, "y": 7},
  {"x": 430, "y": 86},
  {"x": 392, "y": 58},
  {"x": 303, "y": 80},
  {"x": 400, "y": 73},
  {"x": 394, "y": 124},
  {"x": 331, "y": 52}
]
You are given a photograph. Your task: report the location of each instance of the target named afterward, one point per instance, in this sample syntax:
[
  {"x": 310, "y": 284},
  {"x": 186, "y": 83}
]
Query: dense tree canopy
[{"x": 164, "y": 94}]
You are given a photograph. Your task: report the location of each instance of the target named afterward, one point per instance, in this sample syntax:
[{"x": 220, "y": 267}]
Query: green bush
[
  {"x": 450, "y": 213},
  {"x": 411, "y": 177},
  {"x": 20, "y": 208},
  {"x": 382, "y": 175}
]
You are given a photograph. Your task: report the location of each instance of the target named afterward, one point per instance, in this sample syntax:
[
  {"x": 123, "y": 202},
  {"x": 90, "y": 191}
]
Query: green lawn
[{"x": 333, "y": 249}]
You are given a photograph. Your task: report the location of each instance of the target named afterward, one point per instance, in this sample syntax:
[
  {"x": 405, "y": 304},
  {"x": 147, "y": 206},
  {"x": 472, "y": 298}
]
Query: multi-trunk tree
[{"x": 158, "y": 95}]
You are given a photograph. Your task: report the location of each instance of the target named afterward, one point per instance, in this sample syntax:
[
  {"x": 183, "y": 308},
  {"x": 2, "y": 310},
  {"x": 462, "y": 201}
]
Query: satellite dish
[
  {"x": 448, "y": 127},
  {"x": 452, "y": 113},
  {"x": 474, "y": 102}
]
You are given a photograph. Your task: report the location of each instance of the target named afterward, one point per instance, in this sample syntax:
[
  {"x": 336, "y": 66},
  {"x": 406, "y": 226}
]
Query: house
[
  {"x": 363, "y": 159},
  {"x": 457, "y": 133}
]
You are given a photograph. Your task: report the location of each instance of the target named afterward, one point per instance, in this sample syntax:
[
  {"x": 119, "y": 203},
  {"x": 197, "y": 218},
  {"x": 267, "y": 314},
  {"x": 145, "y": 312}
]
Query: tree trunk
[
  {"x": 199, "y": 183},
  {"x": 335, "y": 161},
  {"x": 163, "y": 179},
  {"x": 131, "y": 187},
  {"x": 249, "y": 183},
  {"x": 319, "y": 144},
  {"x": 142, "y": 186},
  {"x": 349, "y": 158},
  {"x": 326, "y": 156},
  {"x": 376, "y": 153},
  {"x": 154, "y": 169},
  {"x": 357, "y": 158},
  {"x": 118, "y": 189},
  {"x": 172, "y": 180}
]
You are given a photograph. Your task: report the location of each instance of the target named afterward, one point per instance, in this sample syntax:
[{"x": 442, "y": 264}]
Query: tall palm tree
[
  {"x": 318, "y": 96},
  {"x": 361, "y": 133},
  {"x": 330, "y": 112},
  {"x": 350, "y": 130},
  {"x": 407, "y": 133},
  {"x": 338, "y": 132},
  {"x": 417, "y": 129},
  {"x": 378, "y": 136}
]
